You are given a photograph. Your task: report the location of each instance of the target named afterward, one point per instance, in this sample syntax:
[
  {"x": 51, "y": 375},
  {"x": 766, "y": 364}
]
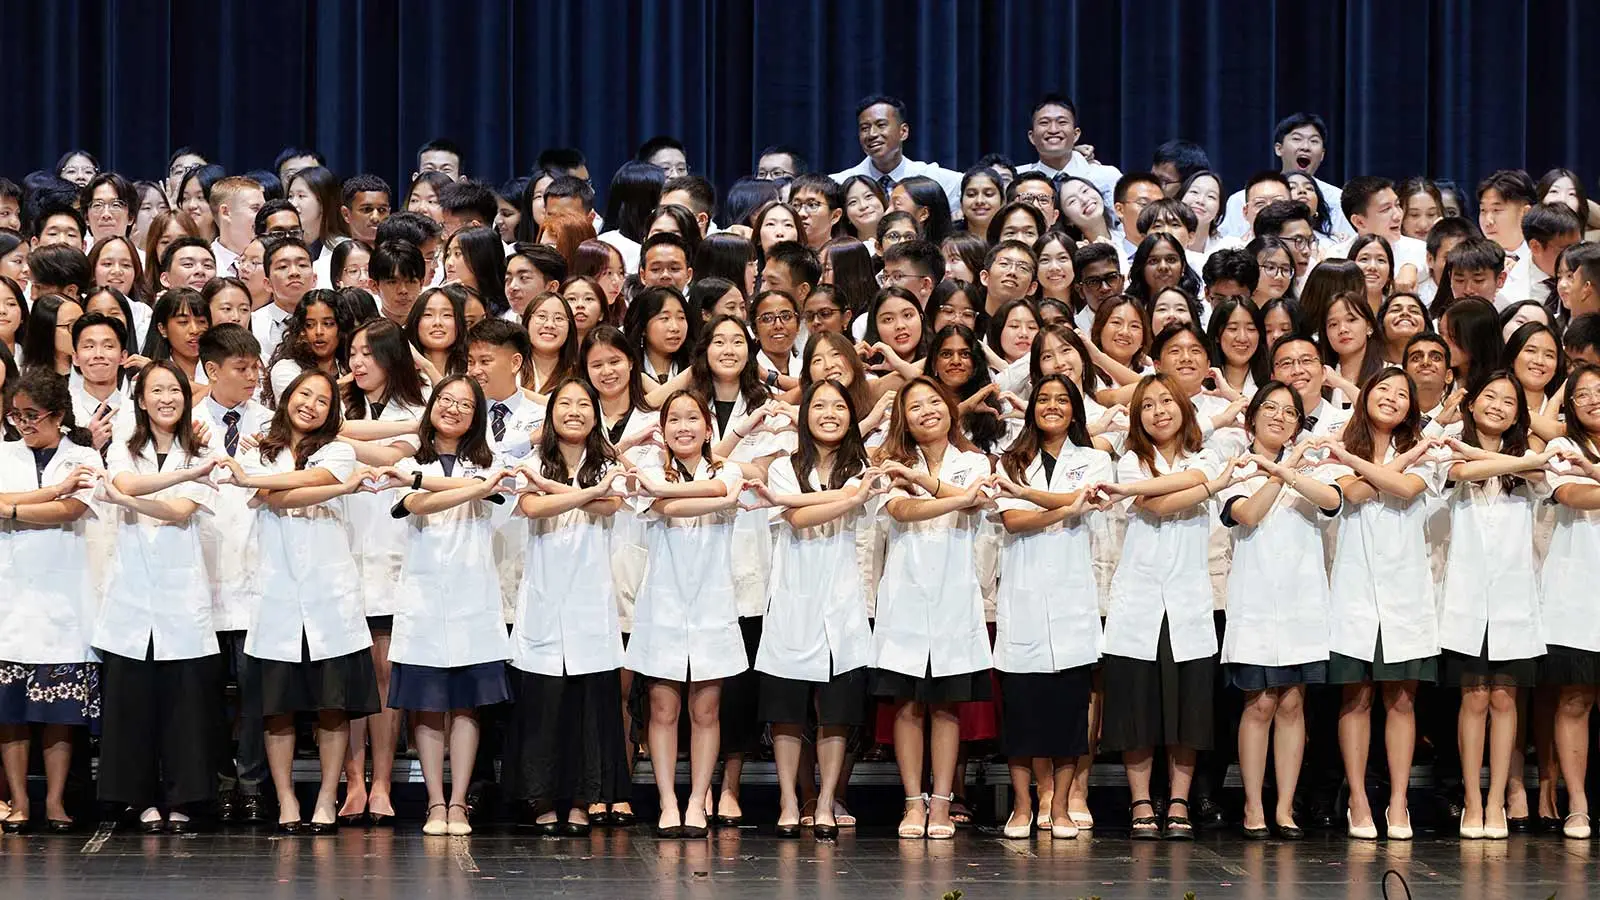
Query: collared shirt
[
  {"x": 522, "y": 417},
  {"x": 227, "y": 260},
  {"x": 950, "y": 181},
  {"x": 628, "y": 247},
  {"x": 1519, "y": 275},
  {"x": 1234, "y": 225},
  {"x": 1100, "y": 175},
  {"x": 268, "y": 324}
]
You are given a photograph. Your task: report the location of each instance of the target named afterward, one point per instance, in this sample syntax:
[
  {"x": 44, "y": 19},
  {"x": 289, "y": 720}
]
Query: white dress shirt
[
  {"x": 949, "y": 180},
  {"x": 1234, "y": 225},
  {"x": 1519, "y": 277},
  {"x": 268, "y": 325},
  {"x": 1102, "y": 176},
  {"x": 227, "y": 260}
]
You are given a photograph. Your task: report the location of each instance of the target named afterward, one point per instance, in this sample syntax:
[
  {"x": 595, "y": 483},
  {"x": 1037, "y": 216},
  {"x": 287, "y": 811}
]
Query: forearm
[
  {"x": 1114, "y": 370},
  {"x": 1115, "y": 395},
  {"x": 1496, "y": 465},
  {"x": 287, "y": 481},
  {"x": 659, "y": 395},
  {"x": 544, "y": 506},
  {"x": 1021, "y": 521},
  {"x": 375, "y": 429},
  {"x": 689, "y": 508},
  {"x": 1163, "y": 484},
  {"x": 22, "y": 498},
  {"x": 373, "y": 454},
  {"x": 812, "y": 498},
  {"x": 296, "y": 498},
  {"x": 686, "y": 490},
  {"x": 1394, "y": 482},
  {"x": 140, "y": 485},
  {"x": 1548, "y": 428},
  {"x": 1177, "y": 501},
  {"x": 1249, "y": 511},
  {"x": 1050, "y": 499},
  {"x": 426, "y": 503},
  {"x": 175, "y": 512},
  {"x": 911, "y": 509},
  {"x": 1324, "y": 495},
  {"x": 1356, "y": 490},
  {"x": 820, "y": 513},
  {"x": 1579, "y": 496},
  {"x": 51, "y": 512}
]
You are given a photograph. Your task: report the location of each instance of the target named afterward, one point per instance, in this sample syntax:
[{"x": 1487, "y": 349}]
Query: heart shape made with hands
[{"x": 222, "y": 475}]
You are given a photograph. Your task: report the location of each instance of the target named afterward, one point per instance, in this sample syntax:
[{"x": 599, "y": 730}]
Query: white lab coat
[
  {"x": 1047, "y": 615},
  {"x": 566, "y": 608},
  {"x": 1381, "y": 578},
  {"x": 752, "y": 529},
  {"x": 525, "y": 415},
  {"x": 686, "y": 623},
  {"x": 1164, "y": 571},
  {"x": 1567, "y": 587},
  {"x": 310, "y": 584},
  {"x": 448, "y": 614},
  {"x": 228, "y": 534},
  {"x": 158, "y": 591},
  {"x": 377, "y": 538},
  {"x": 626, "y": 532},
  {"x": 816, "y": 616},
  {"x": 1278, "y": 587},
  {"x": 1491, "y": 583},
  {"x": 930, "y": 599},
  {"x": 48, "y": 603}
]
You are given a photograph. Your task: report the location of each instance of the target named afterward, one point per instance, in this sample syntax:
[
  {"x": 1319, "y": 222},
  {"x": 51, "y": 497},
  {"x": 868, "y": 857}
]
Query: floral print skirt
[{"x": 49, "y": 693}]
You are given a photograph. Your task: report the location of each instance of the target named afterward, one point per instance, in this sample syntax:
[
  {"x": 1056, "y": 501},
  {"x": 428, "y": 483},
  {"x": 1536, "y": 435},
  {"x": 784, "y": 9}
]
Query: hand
[
  {"x": 201, "y": 469},
  {"x": 357, "y": 476},
  {"x": 134, "y": 362},
  {"x": 1466, "y": 451},
  {"x": 77, "y": 479},
  {"x": 1223, "y": 388},
  {"x": 1084, "y": 150},
  {"x": 765, "y": 498},
  {"x": 202, "y": 431},
  {"x": 974, "y": 496},
  {"x": 229, "y": 470},
  {"x": 1008, "y": 487},
  {"x": 250, "y": 441},
  {"x": 384, "y": 478},
  {"x": 106, "y": 490},
  {"x": 1109, "y": 419},
  {"x": 979, "y": 397},
  {"x": 100, "y": 427},
  {"x": 1017, "y": 403}
]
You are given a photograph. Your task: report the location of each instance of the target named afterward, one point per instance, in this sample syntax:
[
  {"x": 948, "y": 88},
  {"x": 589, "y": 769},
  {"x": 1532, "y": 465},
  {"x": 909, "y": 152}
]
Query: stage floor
[{"x": 752, "y": 863}]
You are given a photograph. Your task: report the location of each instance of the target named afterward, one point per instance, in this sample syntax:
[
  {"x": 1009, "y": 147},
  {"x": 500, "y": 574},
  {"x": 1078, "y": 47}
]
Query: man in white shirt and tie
[
  {"x": 1549, "y": 229},
  {"x": 1503, "y": 197},
  {"x": 1372, "y": 207},
  {"x": 882, "y": 129},
  {"x": 289, "y": 277},
  {"x": 235, "y": 200},
  {"x": 99, "y": 348},
  {"x": 1300, "y": 142},
  {"x": 1053, "y": 131}
]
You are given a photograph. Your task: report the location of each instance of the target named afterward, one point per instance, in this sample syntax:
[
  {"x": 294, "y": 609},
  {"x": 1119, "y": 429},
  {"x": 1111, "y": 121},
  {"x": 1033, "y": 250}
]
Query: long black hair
[
  {"x": 1514, "y": 442},
  {"x": 392, "y": 353},
  {"x": 928, "y": 194},
  {"x": 456, "y": 296},
  {"x": 598, "y": 454},
  {"x": 485, "y": 255},
  {"x": 612, "y": 336},
  {"x": 1139, "y": 288},
  {"x": 849, "y": 458},
  {"x": 635, "y": 190},
  {"x": 646, "y": 305},
  {"x": 1259, "y": 366},
  {"x": 982, "y": 423},
  {"x": 144, "y": 432},
  {"x": 173, "y": 303},
  {"x": 1028, "y": 444},
  {"x": 38, "y": 347},
  {"x": 296, "y": 348},
  {"x": 474, "y": 445},
  {"x": 701, "y": 380},
  {"x": 280, "y": 431}
]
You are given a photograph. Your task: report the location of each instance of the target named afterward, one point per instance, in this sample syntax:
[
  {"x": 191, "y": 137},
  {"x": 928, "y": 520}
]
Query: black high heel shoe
[
  {"x": 60, "y": 826},
  {"x": 824, "y": 832}
]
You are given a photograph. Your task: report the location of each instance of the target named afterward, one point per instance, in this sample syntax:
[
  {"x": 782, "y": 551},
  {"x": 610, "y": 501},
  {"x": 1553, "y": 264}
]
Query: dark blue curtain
[{"x": 1450, "y": 88}]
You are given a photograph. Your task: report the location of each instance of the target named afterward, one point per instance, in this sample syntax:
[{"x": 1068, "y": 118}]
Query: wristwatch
[
  {"x": 772, "y": 378},
  {"x": 416, "y": 482}
]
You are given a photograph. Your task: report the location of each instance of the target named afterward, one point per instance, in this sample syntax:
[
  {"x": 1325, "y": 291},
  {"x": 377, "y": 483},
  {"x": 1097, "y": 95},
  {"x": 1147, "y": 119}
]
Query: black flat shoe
[
  {"x": 228, "y": 806},
  {"x": 1519, "y": 825},
  {"x": 1547, "y": 825},
  {"x": 354, "y": 821},
  {"x": 60, "y": 826},
  {"x": 154, "y": 827},
  {"x": 623, "y": 819},
  {"x": 670, "y": 832},
  {"x": 602, "y": 819},
  {"x": 825, "y": 832},
  {"x": 1256, "y": 834},
  {"x": 575, "y": 829},
  {"x": 787, "y": 831},
  {"x": 695, "y": 832},
  {"x": 1291, "y": 832},
  {"x": 250, "y": 811},
  {"x": 294, "y": 827},
  {"x": 1208, "y": 812}
]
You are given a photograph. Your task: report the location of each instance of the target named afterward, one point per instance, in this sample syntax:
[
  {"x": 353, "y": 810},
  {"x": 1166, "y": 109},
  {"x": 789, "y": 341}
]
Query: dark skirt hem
[{"x": 433, "y": 689}]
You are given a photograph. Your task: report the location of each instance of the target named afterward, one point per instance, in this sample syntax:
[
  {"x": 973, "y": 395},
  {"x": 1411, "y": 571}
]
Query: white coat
[
  {"x": 525, "y": 415},
  {"x": 1491, "y": 583},
  {"x": 566, "y": 608},
  {"x": 377, "y": 538},
  {"x": 1278, "y": 586},
  {"x": 1163, "y": 572},
  {"x": 816, "y": 616},
  {"x": 233, "y": 557},
  {"x": 626, "y": 531},
  {"x": 752, "y": 531},
  {"x": 1568, "y": 611},
  {"x": 47, "y": 604},
  {"x": 1047, "y": 615},
  {"x": 159, "y": 591},
  {"x": 930, "y": 601},
  {"x": 448, "y": 614},
  {"x": 686, "y": 623},
  {"x": 310, "y": 585},
  {"x": 1381, "y": 578}
]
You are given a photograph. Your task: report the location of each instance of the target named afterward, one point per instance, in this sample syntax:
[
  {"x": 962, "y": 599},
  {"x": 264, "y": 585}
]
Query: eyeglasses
[
  {"x": 1301, "y": 241},
  {"x": 1012, "y": 265},
  {"x": 26, "y": 418},
  {"x": 1308, "y": 363},
  {"x": 813, "y": 316},
  {"x": 810, "y": 206},
  {"x": 98, "y": 206},
  {"x": 957, "y": 312},
  {"x": 1277, "y": 269},
  {"x": 775, "y": 318},
  {"x": 1101, "y": 282},
  {"x": 895, "y": 237},
  {"x": 1036, "y": 199},
  {"x": 296, "y": 233},
  {"x": 461, "y": 406},
  {"x": 1278, "y": 411}
]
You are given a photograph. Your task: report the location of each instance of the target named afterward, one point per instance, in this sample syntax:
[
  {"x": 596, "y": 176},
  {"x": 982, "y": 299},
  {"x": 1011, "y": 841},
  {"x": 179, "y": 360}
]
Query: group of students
[{"x": 1051, "y": 455}]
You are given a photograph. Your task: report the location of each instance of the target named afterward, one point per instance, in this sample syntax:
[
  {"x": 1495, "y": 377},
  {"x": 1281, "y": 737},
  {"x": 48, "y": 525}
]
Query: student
[
  {"x": 816, "y": 656},
  {"x": 366, "y": 203},
  {"x": 1300, "y": 142},
  {"x": 883, "y": 130},
  {"x": 179, "y": 320},
  {"x": 686, "y": 621},
  {"x": 398, "y": 271},
  {"x": 50, "y": 677},
  {"x": 232, "y": 361},
  {"x": 1047, "y": 633},
  {"x": 1383, "y": 625},
  {"x": 1373, "y": 208},
  {"x": 1134, "y": 191},
  {"x": 566, "y": 647},
  {"x": 1426, "y": 359},
  {"x": 1348, "y": 335},
  {"x": 287, "y": 263},
  {"x": 99, "y": 349},
  {"x": 1549, "y": 229},
  {"x": 1489, "y": 624},
  {"x": 227, "y": 302},
  {"x": 308, "y": 649},
  {"x": 1007, "y": 274},
  {"x": 1503, "y": 198},
  {"x": 932, "y": 648},
  {"x": 1161, "y": 644},
  {"x": 699, "y": 197},
  {"x": 437, "y": 329},
  {"x": 315, "y": 336},
  {"x": 1582, "y": 295},
  {"x": 1290, "y": 222},
  {"x": 1272, "y": 650},
  {"x": 475, "y": 258},
  {"x": 663, "y": 328},
  {"x": 234, "y": 200},
  {"x": 1236, "y": 337},
  {"x": 449, "y": 647},
  {"x": 383, "y": 404},
  {"x": 1297, "y": 363},
  {"x": 553, "y": 337},
  {"x": 1053, "y": 132},
  {"x": 775, "y": 313},
  {"x": 162, "y": 668}
]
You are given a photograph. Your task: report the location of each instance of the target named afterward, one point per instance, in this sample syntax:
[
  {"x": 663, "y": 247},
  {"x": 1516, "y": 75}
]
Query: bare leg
[
  {"x": 382, "y": 731},
  {"x": 732, "y": 771},
  {"x": 14, "y": 757},
  {"x": 908, "y": 724},
  {"x": 830, "y": 766},
  {"x": 945, "y": 746},
  {"x": 705, "y": 733},
  {"x": 1078, "y": 797},
  {"x": 429, "y": 733},
  {"x": 1400, "y": 742},
  {"x": 786, "y": 750},
  {"x": 1355, "y": 738},
  {"x": 463, "y": 755},
  {"x": 1542, "y": 709},
  {"x": 1255, "y": 726},
  {"x": 355, "y": 769},
  {"x": 57, "y": 744},
  {"x": 1470, "y": 729},
  {"x": 666, "y": 701},
  {"x": 1288, "y": 749},
  {"x": 333, "y": 736},
  {"x": 1021, "y": 768},
  {"x": 1502, "y": 747},
  {"x": 623, "y": 806},
  {"x": 1180, "y": 769},
  {"x": 280, "y": 762},
  {"x": 1572, "y": 743},
  {"x": 1063, "y": 775}
]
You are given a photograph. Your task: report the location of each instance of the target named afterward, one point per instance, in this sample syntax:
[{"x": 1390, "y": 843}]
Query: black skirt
[
  {"x": 1569, "y": 666},
  {"x": 740, "y": 707},
  {"x": 1461, "y": 669},
  {"x": 158, "y": 735},
  {"x": 1045, "y": 713},
  {"x": 1158, "y": 702},
  {"x": 1250, "y": 678},
  {"x": 346, "y": 683},
  {"x": 565, "y": 741},
  {"x": 432, "y": 689},
  {"x": 964, "y": 688},
  {"x": 838, "y": 702}
]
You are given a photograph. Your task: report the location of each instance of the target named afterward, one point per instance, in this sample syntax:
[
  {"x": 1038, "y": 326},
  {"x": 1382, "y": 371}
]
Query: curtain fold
[{"x": 1449, "y": 88}]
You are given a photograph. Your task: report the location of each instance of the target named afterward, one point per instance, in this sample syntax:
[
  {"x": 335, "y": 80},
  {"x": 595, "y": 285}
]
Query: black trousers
[
  {"x": 158, "y": 730},
  {"x": 1211, "y": 769},
  {"x": 565, "y": 741}
]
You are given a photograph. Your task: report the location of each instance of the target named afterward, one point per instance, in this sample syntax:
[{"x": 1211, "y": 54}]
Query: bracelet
[{"x": 416, "y": 482}]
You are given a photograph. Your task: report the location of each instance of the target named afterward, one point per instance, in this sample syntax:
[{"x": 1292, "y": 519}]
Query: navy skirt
[
  {"x": 431, "y": 689},
  {"x": 49, "y": 693}
]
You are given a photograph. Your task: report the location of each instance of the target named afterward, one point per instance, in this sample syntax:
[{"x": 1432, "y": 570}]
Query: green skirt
[{"x": 1349, "y": 670}]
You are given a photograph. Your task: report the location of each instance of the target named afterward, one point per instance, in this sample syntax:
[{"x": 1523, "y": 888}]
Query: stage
[{"x": 751, "y": 863}]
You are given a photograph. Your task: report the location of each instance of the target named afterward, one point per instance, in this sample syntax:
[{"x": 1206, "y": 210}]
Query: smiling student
[{"x": 1300, "y": 142}]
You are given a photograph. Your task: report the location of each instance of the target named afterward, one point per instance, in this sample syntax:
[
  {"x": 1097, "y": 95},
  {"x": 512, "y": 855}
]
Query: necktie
[
  {"x": 1058, "y": 178},
  {"x": 1311, "y": 422},
  {"x": 101, "y": 410},
  {"x": 886, "y": 183},
  {"x": 230, "y": 437},
  {"x": 497, "y": 420}
]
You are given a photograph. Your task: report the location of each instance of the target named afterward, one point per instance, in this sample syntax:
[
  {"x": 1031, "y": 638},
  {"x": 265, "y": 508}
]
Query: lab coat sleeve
[
  {"x": 1562, "y": 472},
  {"x": 337, "y": 458}
]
